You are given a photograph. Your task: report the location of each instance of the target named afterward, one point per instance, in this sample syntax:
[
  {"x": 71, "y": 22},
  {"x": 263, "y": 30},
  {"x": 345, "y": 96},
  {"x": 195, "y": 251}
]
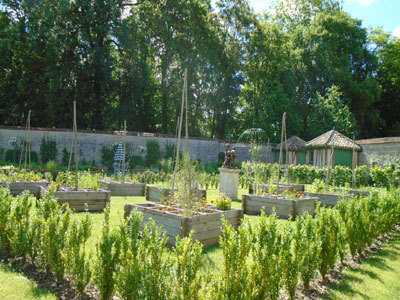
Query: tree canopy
[{"x": 125, "y": 59}]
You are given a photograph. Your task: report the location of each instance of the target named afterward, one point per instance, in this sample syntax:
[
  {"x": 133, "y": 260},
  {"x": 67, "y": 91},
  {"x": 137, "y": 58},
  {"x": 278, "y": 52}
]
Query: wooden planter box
[
  {"x": 206, "y": 226},
  {"x": 33, "y": 187},
  {"x": 123, "y": 188},
  {"x": 96, "y": 200},
  {"x": 282, "y": 187},
  {"x": 155, "y": 193},
  {"x": 284, "y": 208},
  {"x": 328, "y": 199}
]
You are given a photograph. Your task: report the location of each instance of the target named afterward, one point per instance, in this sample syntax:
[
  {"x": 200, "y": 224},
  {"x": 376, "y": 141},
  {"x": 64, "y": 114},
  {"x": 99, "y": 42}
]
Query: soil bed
[
  {"x": 118, "y": 188},
  {"x": 284, "y": 208},
  {"x": 206, "y": 223},
  {"x": 18, "y": 187},
  {"x": 82, "y": 200}
]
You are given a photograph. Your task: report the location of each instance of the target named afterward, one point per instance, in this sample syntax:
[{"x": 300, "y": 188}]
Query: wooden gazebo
[
  {"x": 345, "y": 150},
  {"x": 296, "y": 151}
]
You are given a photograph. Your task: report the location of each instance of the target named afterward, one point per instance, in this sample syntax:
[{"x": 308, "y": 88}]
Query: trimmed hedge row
[
  {"x": 259, "y": 259},
  {"x": 388, "y": 177}
]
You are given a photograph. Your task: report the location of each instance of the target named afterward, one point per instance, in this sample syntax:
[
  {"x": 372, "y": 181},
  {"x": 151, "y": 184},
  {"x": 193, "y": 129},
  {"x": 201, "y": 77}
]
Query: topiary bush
[
  {"x": 48, "y": 149},
  {"x": 107, "y": 155},
  {"x": 152, "y": 153},
  {"x": 12, "y": 155}
]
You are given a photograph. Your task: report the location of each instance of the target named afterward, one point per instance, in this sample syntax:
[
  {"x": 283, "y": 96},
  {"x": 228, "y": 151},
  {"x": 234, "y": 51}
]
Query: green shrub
[
  {"x": 78, "y": 259},
  {"x": 48, "y": 149},
  {"x": 341, "y": 175},
  {"x": 361, "y": 176},
  {"x": 152, "y": 153},
  {"x": 309, "y": 246},
  {"x": 1, "y": 153},
  {"x": 65, "y": 157},
  {"x": 12, "y": 155},
  {"x": 380, "y": 176},
  {"x": 107, "y": 259},
  {"x": 291, "y": 257},
  {"x": 169, "y": 151},
  {"x": 327, "y": 236},
  {"x": 233, "y": 281},
  {"x": 221, "y": 157},
  {"x": 51, "y": 165},
  {"x": 212, "y": 168},
  {"x": 107, "y": 155},
  {"x": 266, "y": 269},
  {"x": 134, "y": 161},
  {"x": 187, "y": 260}
]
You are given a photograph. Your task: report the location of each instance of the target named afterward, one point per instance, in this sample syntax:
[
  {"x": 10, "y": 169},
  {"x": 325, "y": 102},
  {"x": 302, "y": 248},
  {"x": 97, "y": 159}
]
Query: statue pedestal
[{"x": 229, "y": 182}]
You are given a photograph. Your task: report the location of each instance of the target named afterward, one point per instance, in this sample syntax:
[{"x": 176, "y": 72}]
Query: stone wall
[
  {"x": 379, "y": 150},
  {"x": 91, "y": 143}
]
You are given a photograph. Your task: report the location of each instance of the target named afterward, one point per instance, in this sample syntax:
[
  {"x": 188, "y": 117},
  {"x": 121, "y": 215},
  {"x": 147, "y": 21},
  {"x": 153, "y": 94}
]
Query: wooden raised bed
[
  {"x": 123, "y": 188},
  {"x": 155, "y": 193},
  {"x": 206, "y": 226},
  {"x": 284, "y": 208},
  {"x": 282, "y": 187},
  {"x": 329, "y": 199},
  {"x": 96, "y": 200},
  {"x": 33, "y": 187}
]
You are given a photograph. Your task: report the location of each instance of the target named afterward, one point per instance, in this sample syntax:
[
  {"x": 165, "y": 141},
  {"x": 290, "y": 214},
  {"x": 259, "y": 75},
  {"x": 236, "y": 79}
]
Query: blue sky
[{"x": 372, "y": 13}]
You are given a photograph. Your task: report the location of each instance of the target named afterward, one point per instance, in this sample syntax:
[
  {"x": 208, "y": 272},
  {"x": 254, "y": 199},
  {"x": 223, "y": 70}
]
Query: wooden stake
[
  {"x": 353, "y": 165},
  {"x": 186, "y": 112},
  {"x": 179, "y": 134},
  {"x": 281, "y": 149},
  {"x": 76, "y": 148}
]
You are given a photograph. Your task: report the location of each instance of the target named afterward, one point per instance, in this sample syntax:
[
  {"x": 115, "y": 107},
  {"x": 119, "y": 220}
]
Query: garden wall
[
  {"x": 91, "y": 143},
  {"x": 379, "y": 150}
]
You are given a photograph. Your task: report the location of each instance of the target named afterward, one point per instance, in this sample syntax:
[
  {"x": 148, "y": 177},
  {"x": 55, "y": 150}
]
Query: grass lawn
[
  {"x": 378, "y": 277},
  {"x": 16, "y": 286}
]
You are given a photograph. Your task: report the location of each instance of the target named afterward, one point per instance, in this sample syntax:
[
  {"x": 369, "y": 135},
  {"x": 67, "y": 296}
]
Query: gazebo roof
[
  {"x": 294, "y": 143},
  {"x": 335, "y": 139}
]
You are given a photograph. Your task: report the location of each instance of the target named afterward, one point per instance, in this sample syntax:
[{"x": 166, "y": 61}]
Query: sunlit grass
[
  {"x": 16, "y": 286},
  {"x": 378, "y": 277}
]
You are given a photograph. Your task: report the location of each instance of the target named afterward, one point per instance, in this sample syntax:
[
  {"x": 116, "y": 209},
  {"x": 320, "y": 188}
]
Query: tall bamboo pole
[
  {"x": 281, "y": 149},
  {"x": 179, "y": 133},
  {"x": 186, "y": 112},
  {"x": 76, "y": 148}
]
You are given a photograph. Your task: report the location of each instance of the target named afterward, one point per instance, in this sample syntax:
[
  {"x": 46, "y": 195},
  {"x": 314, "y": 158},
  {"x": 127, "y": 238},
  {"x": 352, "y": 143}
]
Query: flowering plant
[
  {"x": 292, "y": 194},
  {"x": 223, "y": 202}
]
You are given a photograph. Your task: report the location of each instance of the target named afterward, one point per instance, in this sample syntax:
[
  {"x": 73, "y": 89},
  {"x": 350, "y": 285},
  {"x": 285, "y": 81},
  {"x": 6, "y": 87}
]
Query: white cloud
[
  {"x": 365, "y": 2},
  {"x": 396, "y": 32}
]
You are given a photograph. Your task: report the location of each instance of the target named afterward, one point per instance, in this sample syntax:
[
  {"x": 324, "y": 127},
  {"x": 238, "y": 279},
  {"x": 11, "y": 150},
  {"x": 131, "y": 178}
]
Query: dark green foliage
[
  {"x": 12, "y": 155},
  {"x": 48, "y": 150},
  {"x": 66, "y": 156},
  {"x": 258, "y": 259},
  {"x": 212, "y": 168},
  {"x": 221, "y": 157},
  {"x": 1, "y": 153},
  {"x": 107, "y": 259},
  {"x": 107, "y": 155},
  {"x": 169, "y": 150},
  {"x": 153, "y": 154},
  {"x": 134, "y": 161}
]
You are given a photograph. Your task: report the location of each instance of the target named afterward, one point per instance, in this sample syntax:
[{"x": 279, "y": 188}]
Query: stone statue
[{"x": 230, "y": 156}]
